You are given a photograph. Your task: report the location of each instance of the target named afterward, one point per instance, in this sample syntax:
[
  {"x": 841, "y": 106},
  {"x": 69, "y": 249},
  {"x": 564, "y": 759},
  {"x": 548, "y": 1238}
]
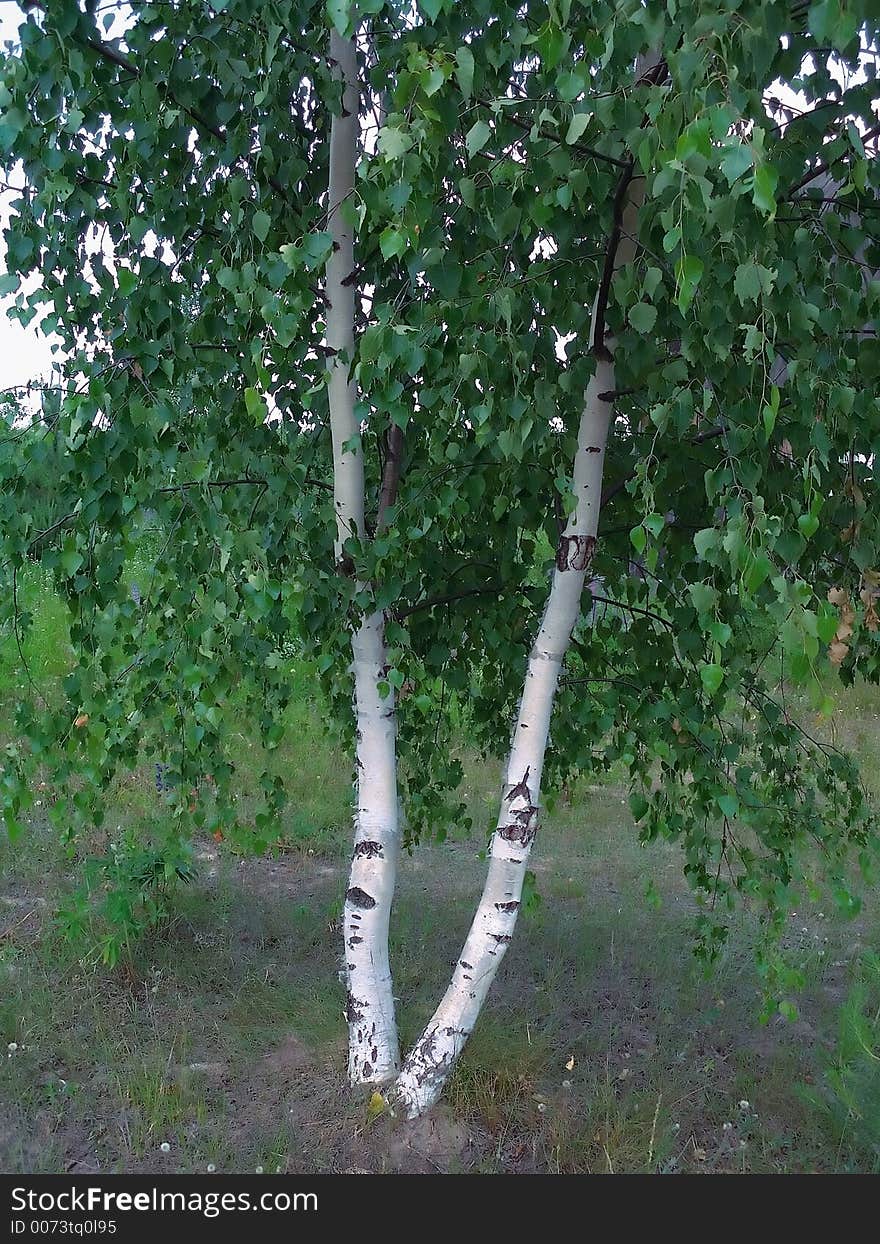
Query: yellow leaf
[
  {"x": 376, "y": 1106},
  {"x": 569, "y": 1066}
]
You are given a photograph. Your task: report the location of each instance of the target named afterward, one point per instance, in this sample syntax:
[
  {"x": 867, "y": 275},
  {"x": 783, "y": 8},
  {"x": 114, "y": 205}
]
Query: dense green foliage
[{"x": 175, "y": 176}]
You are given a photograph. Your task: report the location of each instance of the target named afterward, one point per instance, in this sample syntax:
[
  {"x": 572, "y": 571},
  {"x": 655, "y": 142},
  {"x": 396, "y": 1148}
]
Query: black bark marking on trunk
[
  {"x": 368, "y": 850},
  {"x": 353, "y": 1010},
  {"x": 359, "y": 898},
  {"x": 432, "y": 1072},
  {"x": 521, "y": 789},
  {"x": 512, "y": 906},
  {"x": 368, "y": 1070},
  {"x": 469, "y": 966},
  {"x": 522, "y": 827},
  {"x": 353, "y": 941},
  {"x": 574, "y": 552},
  {"x": 374, "y": 1054},
  {"x": 501, "y": 938}
]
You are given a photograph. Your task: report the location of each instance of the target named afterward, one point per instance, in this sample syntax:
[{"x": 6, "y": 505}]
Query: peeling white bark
[
  {"x": 373, "y": 1046},
  {"x": 373, "y": 1052},
  {"x": 428, "y": 1065}
]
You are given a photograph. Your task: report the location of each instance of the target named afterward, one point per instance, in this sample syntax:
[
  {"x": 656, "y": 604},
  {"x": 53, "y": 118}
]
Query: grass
[{"x": 603, "y": 1048}]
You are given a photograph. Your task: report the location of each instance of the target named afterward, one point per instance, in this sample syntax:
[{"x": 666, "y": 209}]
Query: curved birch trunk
[
  {"x": 428, "y": 1065},
  {"x": 374, "y": 1056}
]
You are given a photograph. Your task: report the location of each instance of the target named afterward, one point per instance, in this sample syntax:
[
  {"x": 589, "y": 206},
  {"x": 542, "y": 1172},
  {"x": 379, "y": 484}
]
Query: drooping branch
[
  {"x": 108, "y": 53},
  {"x": 581, "y": 148},
  {"x": 825, "y": 165},
  {"x": 450, "y": 598},
  {"x": 708, "y": 434}
]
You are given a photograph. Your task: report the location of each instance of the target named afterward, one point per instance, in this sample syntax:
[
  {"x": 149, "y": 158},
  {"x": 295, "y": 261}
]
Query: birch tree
[
  {"x": 373, "y": 1046},
  {"x": 422, "y": 330}
]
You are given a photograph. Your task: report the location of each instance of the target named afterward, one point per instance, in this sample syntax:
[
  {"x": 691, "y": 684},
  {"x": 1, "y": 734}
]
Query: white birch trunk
[
  {"x": 428, "y": 1065},
  {"x": 374, "y": 1056}
]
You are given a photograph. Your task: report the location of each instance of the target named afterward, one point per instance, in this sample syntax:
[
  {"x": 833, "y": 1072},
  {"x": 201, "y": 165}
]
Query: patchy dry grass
[{"x": 603, "y": 1048}]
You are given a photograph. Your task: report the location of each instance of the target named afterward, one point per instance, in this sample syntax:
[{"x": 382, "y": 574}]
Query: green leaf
[
  {"x": 652, "y": 278},
  {"x": 638, "y": 538},
  {"x": 392, "y": 242},
  {"x": 256, "y": 407},
  {"x": 316, "y": 249},
  {"x": 464, "y": 60},
  {"x": 638, "y": 805},
  {"x": 729, "y": 805},
  {"x": 71, "y": 561},
  {"x": 291, "y": 255},
  {"x": 393, "y": 142},
  {"x": 711, "y": 676},
  {"x": 808, "y": 525},
  {"x": 576, "y": 126},
  {"x": 758, "y": 572},
  {"x": 339, "y": 12},
  {"x": 688, "y": 273},
  {"x": 643, "y": 317},
  {"x": 261, "y": 223},
  {"x": 477, "y": 137},
  {"x": 432, "y": 81},
  {"x": 736, "y": 162},
  {"x": 705, "y": 540},
  {"x": 127, "y": 281},
  {"x": 764, "y": 185},
  {"x": 746, "y": 283}
]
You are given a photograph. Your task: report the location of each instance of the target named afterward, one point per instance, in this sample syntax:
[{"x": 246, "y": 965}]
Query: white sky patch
[{"x": 25, "y": 355}]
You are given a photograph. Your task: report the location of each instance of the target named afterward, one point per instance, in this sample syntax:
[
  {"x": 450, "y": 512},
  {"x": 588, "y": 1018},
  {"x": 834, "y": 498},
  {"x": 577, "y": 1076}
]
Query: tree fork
[{"x": 428, "y": 1065}]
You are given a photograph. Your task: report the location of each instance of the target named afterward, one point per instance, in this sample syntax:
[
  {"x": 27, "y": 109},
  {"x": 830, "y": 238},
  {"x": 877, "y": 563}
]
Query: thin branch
[
  {"x": 623, "y": 604},
  {"x": 600, "y": 350},
  {"x": 18, "y": 644},
  {"x": 208, "y": 483},
  {"x": 391, "y": 474},
  {"x": 491, "y": 589},
  {"x": 544, "y": 132},
  {"x": 825, "y": 165}
]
